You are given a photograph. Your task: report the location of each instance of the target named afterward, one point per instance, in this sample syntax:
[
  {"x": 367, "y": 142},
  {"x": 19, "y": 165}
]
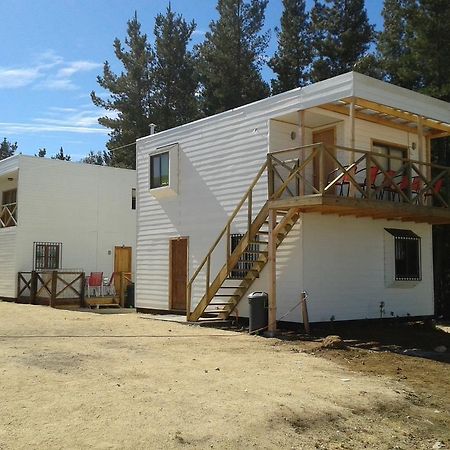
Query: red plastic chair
[
  {"x": 373, "y": 173},
  {"x": 387, "y": 185},
  {"x": 436, "y": 188},
  {"x": 95, "y": 282}
]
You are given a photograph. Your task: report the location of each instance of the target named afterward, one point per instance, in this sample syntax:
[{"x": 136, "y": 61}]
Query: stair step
[
  {"x": 250, "y": 261},
  {"x": 258, "y": 242},
  {"x": 212, "y": 319},
  {"x": 232, "y": 287},
  {"x": 219, "y": 304},
  {"x": 217, "y": 311},
  {"x": 227, "y": 295},
  {"x": 257, "y": 252}
]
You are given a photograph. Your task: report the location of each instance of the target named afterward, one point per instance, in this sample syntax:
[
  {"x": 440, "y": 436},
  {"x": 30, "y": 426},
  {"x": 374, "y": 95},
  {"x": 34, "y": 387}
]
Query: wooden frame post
[
  {"x": 352, "y": 130},
  {"x": 54, "y": 286},
  {"x": 301, "y": 143},
  {"x": 272, "y": 290}
]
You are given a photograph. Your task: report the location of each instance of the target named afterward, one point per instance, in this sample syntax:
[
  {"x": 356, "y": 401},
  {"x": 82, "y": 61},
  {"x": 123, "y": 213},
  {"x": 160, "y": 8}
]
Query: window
[
  {"x": 159, "y": 170},
  {"x": 47, "y": 255},
  {"x": 390, "y": 150},
  {"x": 133, "y": 198},
  {"x": 407, "y": 255}
]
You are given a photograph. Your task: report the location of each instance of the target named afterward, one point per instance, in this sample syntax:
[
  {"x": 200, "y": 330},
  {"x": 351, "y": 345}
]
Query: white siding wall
[
  {"x": 8, "y": 272},
  {"x": 87, "y": 208},
  {"x": 344, "y": 269}
]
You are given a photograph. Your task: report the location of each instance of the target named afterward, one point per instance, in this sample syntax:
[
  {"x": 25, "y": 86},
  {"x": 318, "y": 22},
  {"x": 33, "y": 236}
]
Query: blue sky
[{"x": 52, "y": 51}]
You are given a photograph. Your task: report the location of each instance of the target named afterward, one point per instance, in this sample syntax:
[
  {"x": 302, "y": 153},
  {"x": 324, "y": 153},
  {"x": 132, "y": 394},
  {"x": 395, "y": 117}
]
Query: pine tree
[
  {"x": 342, "y": 36},
  {"x": 96, "y": 159},
  {"x": 61, "y": 155},
  {"x": 174, "y": 74},
  {"x": 7, "y": 149},
  {"x": 414, "y": 45},
  {"x": 394, "y": 44},
  {"x": 294, "y": 55},
  {"x": 41, "y": 153},
  {"x": 232, "y": 55},
  {"x": 130, "y": 94}
]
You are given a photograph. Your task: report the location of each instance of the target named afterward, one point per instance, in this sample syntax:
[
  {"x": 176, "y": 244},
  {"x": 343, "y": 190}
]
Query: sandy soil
[{"x": 83, "y": 380}]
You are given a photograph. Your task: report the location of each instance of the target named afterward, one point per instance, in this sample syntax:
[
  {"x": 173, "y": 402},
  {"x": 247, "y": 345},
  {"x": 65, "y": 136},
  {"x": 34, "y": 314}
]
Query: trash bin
[
  {"x": 129, "y": 302},
  {"x": 258, "y": 317}
]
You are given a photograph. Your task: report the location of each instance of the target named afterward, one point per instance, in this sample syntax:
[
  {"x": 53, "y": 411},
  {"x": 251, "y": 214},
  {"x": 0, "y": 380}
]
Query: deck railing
[
  {"x": 319, "y": 169},
  {"x": 8, "y": 215},
  {"x": 53, "y": 287}
]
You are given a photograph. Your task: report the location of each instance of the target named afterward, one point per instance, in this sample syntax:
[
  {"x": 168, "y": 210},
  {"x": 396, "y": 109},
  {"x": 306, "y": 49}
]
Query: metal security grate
[
  {"x": 246, "y": 260},
  {"x": 47, "y": 255}
]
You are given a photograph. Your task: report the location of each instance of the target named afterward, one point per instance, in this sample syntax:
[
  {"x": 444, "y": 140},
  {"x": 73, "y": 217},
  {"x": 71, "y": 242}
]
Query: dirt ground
[{"x": 73, "y": 380}]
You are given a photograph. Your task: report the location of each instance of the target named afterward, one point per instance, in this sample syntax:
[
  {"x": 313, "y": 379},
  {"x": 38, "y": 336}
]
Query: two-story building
[
  {"x": 327, "y": 189},
  {"x": 59, "y": 215}
]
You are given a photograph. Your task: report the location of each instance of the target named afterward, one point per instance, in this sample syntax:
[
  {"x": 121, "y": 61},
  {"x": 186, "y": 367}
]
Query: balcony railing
[
  {"x": 8, "y": 215},
  {"x": 322, "y": 170}
]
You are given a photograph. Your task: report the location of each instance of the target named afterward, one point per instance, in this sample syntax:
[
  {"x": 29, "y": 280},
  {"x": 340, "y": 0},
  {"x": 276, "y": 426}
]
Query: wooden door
[
  {"x": 122, "y": 263},
  {"x": 178, "y": 271},
  {"x": 327, "y": 137}
]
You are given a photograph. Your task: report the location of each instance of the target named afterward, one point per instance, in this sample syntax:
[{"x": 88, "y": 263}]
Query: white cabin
[
  {"x": 326, "y": 189},
  {"x": 58, "y": 215}
]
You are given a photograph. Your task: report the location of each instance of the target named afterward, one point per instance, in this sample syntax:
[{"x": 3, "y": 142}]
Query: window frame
[
  {"x": 159, "y": 158},
  {"x": 389, "y": 146},
  {"x": 402, "y": 245},
  {"x": 45, "y": 260}
]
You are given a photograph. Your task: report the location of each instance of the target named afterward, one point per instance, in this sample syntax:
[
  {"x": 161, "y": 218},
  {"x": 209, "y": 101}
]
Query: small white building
[
  {"x": 326, "y": 189},
  {"x": 64, "y": 215}
]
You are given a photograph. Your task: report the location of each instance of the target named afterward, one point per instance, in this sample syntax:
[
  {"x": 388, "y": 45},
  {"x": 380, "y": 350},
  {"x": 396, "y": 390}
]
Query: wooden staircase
[{"x": 243, "y": 263}]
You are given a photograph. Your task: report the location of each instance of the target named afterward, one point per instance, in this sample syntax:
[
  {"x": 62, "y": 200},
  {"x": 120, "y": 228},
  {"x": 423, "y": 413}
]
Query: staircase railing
[{"x": 226, "y": 231}]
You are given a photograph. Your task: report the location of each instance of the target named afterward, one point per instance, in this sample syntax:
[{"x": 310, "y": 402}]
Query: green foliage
[
  {"x": 175, "y": 81},
  {"x": 342, "y": 36},
  {"x": 291, "y": 60},
  {"x": 7, "y": 149},
  {"x": 97, "y": 159},
  {"x": 231, "y": 56},
  {"x": 41, "y": 153},
  {"x": 130, "y": 94},
  {"x": 414, "y": 45},
  {"x": 61, "y": 156}
]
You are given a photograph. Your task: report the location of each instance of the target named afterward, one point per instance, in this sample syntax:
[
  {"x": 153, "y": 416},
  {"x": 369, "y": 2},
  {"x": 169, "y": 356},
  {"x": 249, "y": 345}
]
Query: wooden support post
[
  {"x": 33, "y": 288},
  {"x": 352, "y": 131},
  {"x": 272, "y": 290},
  {"x": 122, "y": 289},
  {"x": 188, "y": 302},
  {"x": 270, "y": 178},
  {"x": 304, "y": 312},
  {"x": 228, "y": 245},
  {"x": 82, "y": 290},
  {"x": 208, "y": 273},
  {"x": 322, "y": 169},
  {"x": 368, "y": 176},
  {"x": 249, "y": 213},
  {"x": 301, "y": 143},
  {"x": 54, "y": 286}
]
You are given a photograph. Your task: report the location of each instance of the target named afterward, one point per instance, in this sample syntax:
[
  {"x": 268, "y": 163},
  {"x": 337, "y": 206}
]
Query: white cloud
[
  {"x": 75, "y": 67},
  {"x": 48, "y": 71},
  {"x": 59, "y": 119},
  {"x": 16, "y": 78},
  {"x": 23, "y": 128}
]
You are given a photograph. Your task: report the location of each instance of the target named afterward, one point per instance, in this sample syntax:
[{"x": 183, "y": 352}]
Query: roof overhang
[{"x": 379, "y": 102}]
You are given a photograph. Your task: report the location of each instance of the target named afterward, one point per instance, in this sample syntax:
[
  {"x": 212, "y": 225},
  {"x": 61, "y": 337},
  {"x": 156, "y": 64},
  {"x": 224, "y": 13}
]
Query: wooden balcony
[
  {"x": 8, "y": 215},
  {"x": 333, "y": 180}
]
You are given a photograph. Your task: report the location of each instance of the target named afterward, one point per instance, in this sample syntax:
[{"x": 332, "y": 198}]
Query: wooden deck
[{"x": 375, "y": 209}]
